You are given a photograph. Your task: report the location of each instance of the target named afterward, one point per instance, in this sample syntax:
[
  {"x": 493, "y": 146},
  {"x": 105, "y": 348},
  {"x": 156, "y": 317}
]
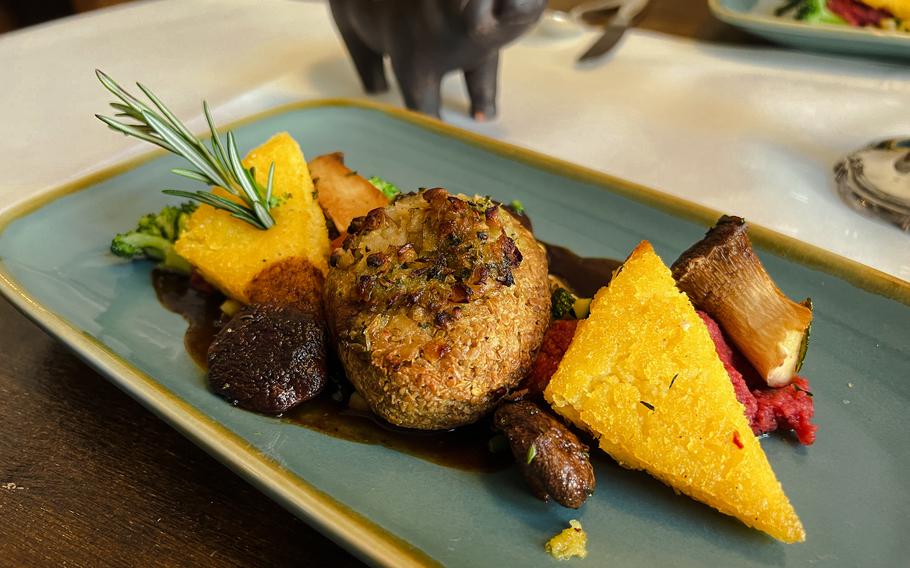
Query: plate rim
[
  {"x": 736, "y": 17},
  {"x": 354, "y": 531}
]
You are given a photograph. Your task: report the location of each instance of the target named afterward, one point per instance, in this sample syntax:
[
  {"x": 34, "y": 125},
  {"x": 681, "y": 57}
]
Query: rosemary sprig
[{"x": 219, "y": 165}]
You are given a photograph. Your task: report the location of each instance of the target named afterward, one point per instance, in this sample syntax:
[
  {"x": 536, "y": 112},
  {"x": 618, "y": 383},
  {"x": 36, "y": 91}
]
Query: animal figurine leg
[
  {"x": 420, "y": 85},
  {"x": 481, "y": 83},
  {"x": 369, "y": 63}
]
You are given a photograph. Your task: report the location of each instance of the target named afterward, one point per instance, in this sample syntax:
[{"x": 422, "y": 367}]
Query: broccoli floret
[
  {"x": 135, "y": 243},
  {"x": 812, "y": 11},
  {"x": 565, "y": 305},
  {"x": 562, "y": 303},
  {"x": 154, "y": 237},
  {"x": 387, "y": 189},
  {"x": 517, "y": 207}
]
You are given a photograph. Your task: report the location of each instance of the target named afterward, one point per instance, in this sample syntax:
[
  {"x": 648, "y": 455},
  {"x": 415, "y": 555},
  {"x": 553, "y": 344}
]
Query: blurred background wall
[{"x": 16, "y": 14}]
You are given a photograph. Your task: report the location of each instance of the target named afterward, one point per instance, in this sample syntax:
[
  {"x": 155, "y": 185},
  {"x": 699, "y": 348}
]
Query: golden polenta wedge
[
  {"x": 642, "y": 375},
  {"x": 230, "y": 253}
]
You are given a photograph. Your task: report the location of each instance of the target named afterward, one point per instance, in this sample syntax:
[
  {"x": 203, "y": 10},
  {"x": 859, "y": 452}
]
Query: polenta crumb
[{"x": 572, "y": 541}]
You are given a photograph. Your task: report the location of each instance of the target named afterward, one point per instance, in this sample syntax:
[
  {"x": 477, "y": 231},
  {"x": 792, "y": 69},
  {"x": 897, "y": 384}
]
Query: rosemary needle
[{"x": 219, "y": 165}]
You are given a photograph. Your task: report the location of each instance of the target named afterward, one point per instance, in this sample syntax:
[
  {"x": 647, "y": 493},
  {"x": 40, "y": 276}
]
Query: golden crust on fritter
[
  {"x": 437, "y": 304},
  {"x": 289, "y": 282}
]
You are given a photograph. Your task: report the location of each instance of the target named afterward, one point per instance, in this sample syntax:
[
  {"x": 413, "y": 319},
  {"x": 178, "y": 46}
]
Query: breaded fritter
[{"x": 437, "y": 304}]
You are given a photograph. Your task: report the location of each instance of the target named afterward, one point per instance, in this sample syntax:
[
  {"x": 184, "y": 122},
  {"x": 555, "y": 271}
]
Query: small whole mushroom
[{"x": 269, "y": 358}]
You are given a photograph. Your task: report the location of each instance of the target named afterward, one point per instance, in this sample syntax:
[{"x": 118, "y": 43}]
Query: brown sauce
[
  {"x": 201, "y": 310},
  {"x": 585, "y": 275},
  {"x": 466, "y": 448}
]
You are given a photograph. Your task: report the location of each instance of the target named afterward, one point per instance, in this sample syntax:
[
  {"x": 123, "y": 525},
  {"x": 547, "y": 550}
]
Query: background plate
[
  {"x": 757, "y": 16},
  {"x": 849, "y": 488}
]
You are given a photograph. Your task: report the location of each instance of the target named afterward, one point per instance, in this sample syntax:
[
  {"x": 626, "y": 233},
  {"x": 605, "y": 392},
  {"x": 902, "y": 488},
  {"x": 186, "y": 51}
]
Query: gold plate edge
[
  {"x": 856, "y": 273},
  {"x": 332, "y": 517}
]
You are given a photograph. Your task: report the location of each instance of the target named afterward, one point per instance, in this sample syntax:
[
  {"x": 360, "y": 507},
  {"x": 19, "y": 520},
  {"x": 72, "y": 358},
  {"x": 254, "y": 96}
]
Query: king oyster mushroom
[{"x": 724, "y": 277}]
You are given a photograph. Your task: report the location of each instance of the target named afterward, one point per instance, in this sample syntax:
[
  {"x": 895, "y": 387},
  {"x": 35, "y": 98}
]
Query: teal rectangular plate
[
  {"x": 826, "y": 38},
  {"x": 392, "y": 509}
]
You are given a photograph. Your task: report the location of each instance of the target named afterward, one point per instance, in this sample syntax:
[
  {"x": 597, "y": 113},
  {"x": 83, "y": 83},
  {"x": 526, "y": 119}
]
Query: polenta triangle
[
  {"x": 229, "y": 253},
  {"x": 643, "y": 376}
]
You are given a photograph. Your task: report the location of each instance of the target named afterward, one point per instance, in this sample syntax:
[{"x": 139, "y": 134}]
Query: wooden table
[{"x": 89, "y": 477}]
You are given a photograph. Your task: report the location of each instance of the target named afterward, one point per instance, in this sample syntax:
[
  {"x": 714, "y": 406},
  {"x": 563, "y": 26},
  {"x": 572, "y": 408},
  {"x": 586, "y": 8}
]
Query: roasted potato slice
[
  {"x": 342, "y": 193},
  {"x": 229, "y": 253}
]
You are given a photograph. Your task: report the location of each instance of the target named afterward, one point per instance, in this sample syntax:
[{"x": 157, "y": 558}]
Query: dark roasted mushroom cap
[
  {"x": 269, "y": 358},
  {"x": 550, "y": 457},
  {"x": 729, "y": 231}
]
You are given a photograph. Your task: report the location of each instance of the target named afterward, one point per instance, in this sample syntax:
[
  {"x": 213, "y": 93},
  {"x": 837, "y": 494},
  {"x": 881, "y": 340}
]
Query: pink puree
[{"x": 767, "y": 408}]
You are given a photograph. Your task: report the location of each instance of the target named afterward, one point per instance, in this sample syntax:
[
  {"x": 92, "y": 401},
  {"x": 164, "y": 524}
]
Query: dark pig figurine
[{"x": 425, "y": 39}]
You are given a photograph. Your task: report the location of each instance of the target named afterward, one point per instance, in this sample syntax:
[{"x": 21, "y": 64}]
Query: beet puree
[
  {"x": 767, "y": 408},
  {"x": 555, "y": 343},
  {"x": 727, "y": 356}
]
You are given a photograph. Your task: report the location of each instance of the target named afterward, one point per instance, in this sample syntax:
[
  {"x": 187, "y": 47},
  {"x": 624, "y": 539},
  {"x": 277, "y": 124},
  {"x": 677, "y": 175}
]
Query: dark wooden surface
[{"x": 88, "y": 477}]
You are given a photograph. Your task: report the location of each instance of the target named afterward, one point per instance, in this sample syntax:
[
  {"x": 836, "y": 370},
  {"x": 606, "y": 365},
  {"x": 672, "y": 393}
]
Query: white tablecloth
[{"x": 747, "y": 131}]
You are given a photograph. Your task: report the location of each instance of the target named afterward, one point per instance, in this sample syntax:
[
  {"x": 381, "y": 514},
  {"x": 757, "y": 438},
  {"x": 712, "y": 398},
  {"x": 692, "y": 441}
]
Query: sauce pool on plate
[{"x": 467, "y": 448}]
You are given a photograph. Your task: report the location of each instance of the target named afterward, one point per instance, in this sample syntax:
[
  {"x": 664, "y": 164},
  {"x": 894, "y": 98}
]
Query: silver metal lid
[{"x": 876, "y": 180}]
